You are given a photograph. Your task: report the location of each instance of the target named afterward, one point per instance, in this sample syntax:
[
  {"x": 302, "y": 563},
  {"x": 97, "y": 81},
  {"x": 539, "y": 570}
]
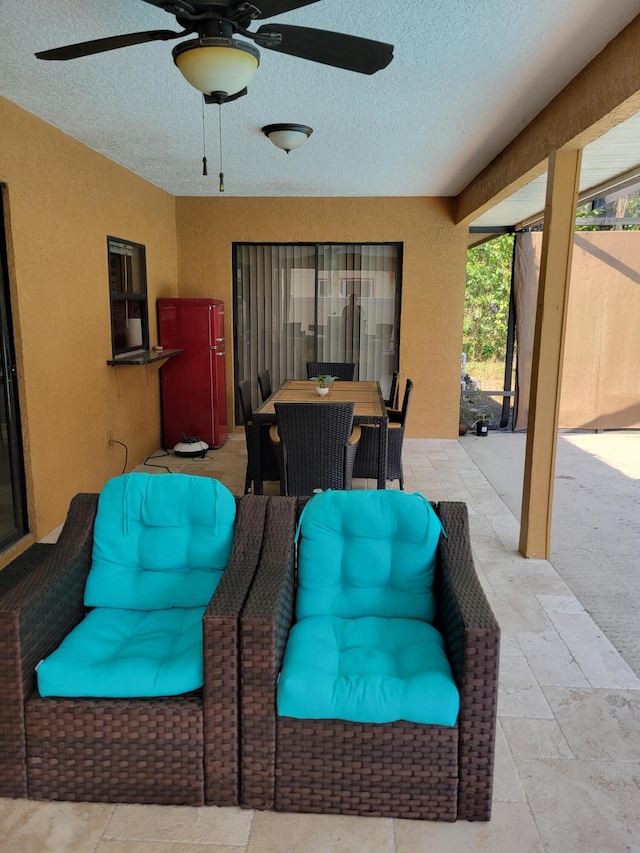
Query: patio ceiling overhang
[
  {"x": 600, "y": 119},
  {"x": 609, "y": 164},
  {"x": 463, "y": 82}
]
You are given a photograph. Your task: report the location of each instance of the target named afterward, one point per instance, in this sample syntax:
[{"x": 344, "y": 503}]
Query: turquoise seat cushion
[
  {"x": 368, "y": 670},
  {"x": 124, "y": 653},
  {"x": 367, "y": 553},
  {"x": 159, "y": 541}
]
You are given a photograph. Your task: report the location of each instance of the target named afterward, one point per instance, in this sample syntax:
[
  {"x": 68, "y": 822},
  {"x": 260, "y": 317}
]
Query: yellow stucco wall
[
  {"x": 433, "y": 275},
  {"x": 61, "y": 201}
]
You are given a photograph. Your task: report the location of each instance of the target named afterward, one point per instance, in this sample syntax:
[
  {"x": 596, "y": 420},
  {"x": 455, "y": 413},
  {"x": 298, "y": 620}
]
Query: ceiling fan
[{"x": 221, "y": 66}]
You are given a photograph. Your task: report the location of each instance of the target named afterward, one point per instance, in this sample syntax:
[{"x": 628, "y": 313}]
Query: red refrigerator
[{"x": 194, "y": 401}]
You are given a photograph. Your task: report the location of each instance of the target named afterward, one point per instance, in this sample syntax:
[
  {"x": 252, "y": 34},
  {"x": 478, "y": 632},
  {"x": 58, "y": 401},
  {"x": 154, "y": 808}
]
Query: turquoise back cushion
[
  {"x": 367, "y": 553},
  {"x": 160, "y": 541}
]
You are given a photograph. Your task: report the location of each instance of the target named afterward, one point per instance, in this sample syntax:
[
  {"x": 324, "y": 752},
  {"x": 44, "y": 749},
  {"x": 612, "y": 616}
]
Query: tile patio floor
[{"x": 568, "y": 747}]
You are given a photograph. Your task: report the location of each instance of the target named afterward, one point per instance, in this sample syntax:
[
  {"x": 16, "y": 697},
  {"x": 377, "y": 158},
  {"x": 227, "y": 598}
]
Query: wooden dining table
[{"x": 369, "y": 408}]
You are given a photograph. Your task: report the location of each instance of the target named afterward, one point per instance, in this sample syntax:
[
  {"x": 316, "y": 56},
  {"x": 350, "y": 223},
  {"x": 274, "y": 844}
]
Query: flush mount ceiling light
[
  {"x": 287, "y": 136},
  {"x": 218, "y": 67}
]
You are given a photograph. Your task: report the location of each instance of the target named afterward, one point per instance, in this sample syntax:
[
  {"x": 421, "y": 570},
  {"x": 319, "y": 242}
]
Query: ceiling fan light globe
[
  {"x": 287, "y": 136},
  {"x": 217, "y": 64}
]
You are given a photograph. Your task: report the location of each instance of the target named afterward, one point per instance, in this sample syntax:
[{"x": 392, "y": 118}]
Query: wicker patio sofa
[
  {"x": 396, "y": 769},
  {"x": 180, "y": 749}
]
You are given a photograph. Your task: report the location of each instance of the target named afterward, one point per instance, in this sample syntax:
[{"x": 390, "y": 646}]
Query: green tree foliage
[
  {"x": 486, "y": 310},
  {"x": 606, "y": 209}
]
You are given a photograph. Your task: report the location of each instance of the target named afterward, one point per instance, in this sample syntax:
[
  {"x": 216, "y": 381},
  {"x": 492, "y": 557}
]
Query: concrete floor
[
  {"x": 595, "y": 534},
  {"x": 567, "y": 772}
]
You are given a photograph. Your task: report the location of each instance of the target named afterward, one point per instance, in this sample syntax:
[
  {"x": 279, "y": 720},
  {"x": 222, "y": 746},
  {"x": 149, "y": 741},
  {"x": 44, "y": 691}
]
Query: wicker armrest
[
  {"x": 35, "y": 615},
  {"x": 395, "y": 416},
  {"x": 220, "y": 653},
  {"x": 264, "y": 629},
  {"x": 233, "y": 588},
  {"x": 23, "y": 564},
  {"x": 472, "y": 640}
]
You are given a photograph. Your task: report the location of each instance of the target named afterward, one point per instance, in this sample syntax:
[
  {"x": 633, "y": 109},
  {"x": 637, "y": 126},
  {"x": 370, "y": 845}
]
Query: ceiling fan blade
[
  {"x": 86, "y": 48},
  {"x": 174, "y": 7},
  {"x": 269, "y": 8},
  {"x": 337, "y": 49}
]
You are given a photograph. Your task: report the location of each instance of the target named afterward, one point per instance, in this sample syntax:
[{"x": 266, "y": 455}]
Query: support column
[{"x": 548, "y": 350}]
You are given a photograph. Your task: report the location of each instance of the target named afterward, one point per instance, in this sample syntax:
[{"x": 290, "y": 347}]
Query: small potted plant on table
[{"x": 323, "y": 384}]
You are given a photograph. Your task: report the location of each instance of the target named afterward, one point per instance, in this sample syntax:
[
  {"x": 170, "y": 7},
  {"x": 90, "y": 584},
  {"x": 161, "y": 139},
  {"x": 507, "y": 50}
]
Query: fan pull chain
[
  {"x": 204, "y": 143},
  {"x": 221, "y": 187}
]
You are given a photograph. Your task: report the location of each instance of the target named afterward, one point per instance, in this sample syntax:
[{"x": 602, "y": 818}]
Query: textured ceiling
[{"x": 466, "y": 77}]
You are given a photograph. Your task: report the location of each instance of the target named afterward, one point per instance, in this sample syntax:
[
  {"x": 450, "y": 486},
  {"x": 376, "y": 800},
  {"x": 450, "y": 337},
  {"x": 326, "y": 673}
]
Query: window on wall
[
  {"x": 128, "y": 296},
  {"x": 317, "y": 302}
]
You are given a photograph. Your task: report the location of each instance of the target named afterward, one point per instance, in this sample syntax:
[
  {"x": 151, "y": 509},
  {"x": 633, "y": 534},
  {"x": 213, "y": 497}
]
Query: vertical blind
[{"x": 326, "y": 302}]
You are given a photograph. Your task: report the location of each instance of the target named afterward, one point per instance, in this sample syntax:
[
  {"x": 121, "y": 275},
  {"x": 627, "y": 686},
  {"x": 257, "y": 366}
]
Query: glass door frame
[
  {"x": 9, "y": 390},
  {"x": 316, "y": 248}
]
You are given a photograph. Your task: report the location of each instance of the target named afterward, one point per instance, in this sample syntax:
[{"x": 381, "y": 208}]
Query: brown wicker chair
[
  {"x": 172, "y": 750},
  {"x": 21, "y": 566},
  {"x": 396, "y": 769},
  {"x": 315, "y": 444},
  {"x": 366, "y": 461},
  {"x": 262, "y": 463},
  {"x": 344, "y": 371}
]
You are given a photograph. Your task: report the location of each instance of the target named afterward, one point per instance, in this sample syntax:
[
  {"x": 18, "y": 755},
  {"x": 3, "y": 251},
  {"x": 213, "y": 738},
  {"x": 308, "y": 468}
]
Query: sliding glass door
[{"x": 316, "y": 302}]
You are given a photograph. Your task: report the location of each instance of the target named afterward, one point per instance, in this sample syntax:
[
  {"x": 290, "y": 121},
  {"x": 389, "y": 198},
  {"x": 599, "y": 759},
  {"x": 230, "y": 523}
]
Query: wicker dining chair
[
  {"x": 262, "y": 463},
  {"x": 366, "y": 461},
  {"x": 315, "y": 444},
  {"x": 394, "y": 769},
  {"x": 392, "y": 400},
  {"x": 176, "y": 749},
  {"x": 343, "y": 370},
  {"x": 264, "y": 383}
]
